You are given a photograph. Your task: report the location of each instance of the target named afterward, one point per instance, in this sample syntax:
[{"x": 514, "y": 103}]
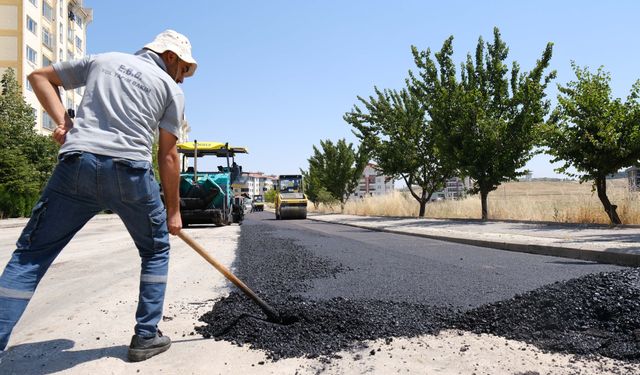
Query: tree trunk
[
  {"x": 424, "y": 199},
  {"x": 483, "y": 200},
  {"x": 610, "y": 209}
]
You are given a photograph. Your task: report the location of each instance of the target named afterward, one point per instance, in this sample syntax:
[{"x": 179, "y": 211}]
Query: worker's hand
[
  {"x": 174, "y": 222},
  {"x": 60, "y": 133}
]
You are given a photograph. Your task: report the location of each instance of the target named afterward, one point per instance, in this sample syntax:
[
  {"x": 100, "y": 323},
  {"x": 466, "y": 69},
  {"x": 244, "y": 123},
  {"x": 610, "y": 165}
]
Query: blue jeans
[{"x": 82, "y": 185}]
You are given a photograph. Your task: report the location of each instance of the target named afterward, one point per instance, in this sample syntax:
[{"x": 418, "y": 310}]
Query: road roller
[{"x": 290, "y": 201}]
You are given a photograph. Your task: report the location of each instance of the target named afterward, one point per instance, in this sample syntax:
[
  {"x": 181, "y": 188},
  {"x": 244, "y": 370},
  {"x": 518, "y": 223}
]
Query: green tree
[
  {"x": 19, "y": 185},
  {"x": 326, "y": 198},
  {"x": 487, "y": 123},
  {"x": 311, "y": 186},
  {"x": 270, "y": 196},
  {"x": 594, "y": 133},
  {"x": 28, "y": 157},
  {"x": 338, "y": 168},
  {"x": 154, "y": 158},
  {"x": 401, "y": 140}
]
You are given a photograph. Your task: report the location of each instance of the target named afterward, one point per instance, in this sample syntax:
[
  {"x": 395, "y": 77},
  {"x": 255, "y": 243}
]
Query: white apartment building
[
  {"x": 373, "y": 182},
  {"x": 36, "y": 33},
  {"x": 253, "y": 183}
]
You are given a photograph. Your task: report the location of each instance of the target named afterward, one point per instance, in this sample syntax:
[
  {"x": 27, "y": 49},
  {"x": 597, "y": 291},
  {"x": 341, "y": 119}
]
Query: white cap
[{"x": 170, "y": 40}]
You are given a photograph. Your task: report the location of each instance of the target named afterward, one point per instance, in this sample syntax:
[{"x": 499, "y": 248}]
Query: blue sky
[{"x": 277, "y": 76}]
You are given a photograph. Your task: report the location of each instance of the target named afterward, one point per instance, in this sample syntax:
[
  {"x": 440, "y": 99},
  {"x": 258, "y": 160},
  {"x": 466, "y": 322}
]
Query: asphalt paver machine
[{"x": 206, "y": 197}]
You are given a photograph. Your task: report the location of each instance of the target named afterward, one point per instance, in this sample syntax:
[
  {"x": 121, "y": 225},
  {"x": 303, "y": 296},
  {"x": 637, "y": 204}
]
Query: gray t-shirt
[{"x": 126, "y": 98}]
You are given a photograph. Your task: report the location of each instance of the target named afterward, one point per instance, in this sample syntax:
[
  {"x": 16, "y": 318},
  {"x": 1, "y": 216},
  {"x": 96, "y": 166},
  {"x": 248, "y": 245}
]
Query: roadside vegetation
[
  {"x": 485, "y": 122},
  {"x": 26, "y": 157},
  {"x": 550, "y": 201}
]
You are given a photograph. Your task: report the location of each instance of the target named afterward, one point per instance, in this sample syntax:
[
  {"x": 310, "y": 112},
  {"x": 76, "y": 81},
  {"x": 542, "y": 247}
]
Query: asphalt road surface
[
  {"x": 419, "y": 270},
  {"x": 345, "y": 286},
  {"x": 369, "y": 302}
]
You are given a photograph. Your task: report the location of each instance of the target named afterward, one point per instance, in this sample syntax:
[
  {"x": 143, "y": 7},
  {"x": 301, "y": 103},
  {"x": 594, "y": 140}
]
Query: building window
[
  {"x": 47, "y": 122},
  {"x": 79, "y": 22},
  {"x": 32, "y": 55},
  {"x": 47, "y": 12},
  {"x": 32, "y": 25},
  {"x": 47, "y": 38},
  {"x": 60, "y": 54},
  {"x": 70, "y": 32},
  {"x": 28, "y": 85},
  {"x": 78, "y": 43},
  {"x": 34, "y": 3},
  {"x": 45, "y": 61},
  {"x": 61, "y": 32}
]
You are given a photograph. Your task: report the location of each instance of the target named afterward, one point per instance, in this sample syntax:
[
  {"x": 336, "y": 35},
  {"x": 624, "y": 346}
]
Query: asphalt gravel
[{"x": 593, "y": 314}]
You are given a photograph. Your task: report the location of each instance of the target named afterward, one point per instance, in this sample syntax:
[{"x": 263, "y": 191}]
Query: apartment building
[
  {"x": 373, "y": 182},
  {"x": 253, "y": 183},
  {"x": 36, "y": 33}
]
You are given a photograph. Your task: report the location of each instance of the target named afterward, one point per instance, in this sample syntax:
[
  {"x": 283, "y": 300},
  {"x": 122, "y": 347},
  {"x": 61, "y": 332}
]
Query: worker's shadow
[{"x": 52, "y": 356}]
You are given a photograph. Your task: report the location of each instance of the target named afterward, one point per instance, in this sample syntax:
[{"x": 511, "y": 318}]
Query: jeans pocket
[
  {"x": 65, "y": 177},
  {"x": 29, "y": 231},
  {"x": 134, "y": 180},
  {"x": 159, "y": 231}
]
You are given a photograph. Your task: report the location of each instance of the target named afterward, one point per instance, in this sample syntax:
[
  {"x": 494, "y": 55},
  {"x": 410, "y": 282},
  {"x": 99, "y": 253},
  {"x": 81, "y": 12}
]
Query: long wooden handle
[{"x": 271, "y": 313}]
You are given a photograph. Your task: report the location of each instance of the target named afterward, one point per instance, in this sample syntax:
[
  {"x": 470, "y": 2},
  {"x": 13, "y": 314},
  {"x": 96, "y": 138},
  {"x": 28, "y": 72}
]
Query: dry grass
[{"x": 556, "y": 201}]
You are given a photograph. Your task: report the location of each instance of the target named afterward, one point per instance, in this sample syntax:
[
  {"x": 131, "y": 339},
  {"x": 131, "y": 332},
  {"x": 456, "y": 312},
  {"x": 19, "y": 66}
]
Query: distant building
[
  {"x": 37, "y": 33},
  {"x": 527, "y": 177},
  {"x": 373, "y": 182},
  {"x": 253, "y": 183},
  {"x": 455, "y": 188},
  {"x": 633, "y": 178}
]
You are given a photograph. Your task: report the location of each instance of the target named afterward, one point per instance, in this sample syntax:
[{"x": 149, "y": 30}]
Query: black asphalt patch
[{"x": 594, "y": 314}]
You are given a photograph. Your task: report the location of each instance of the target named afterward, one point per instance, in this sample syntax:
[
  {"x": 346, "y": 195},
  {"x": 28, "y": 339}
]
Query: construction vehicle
[
  {"x": 290, "y": 201},
  {"x": 258, "y": 203},
  {"x": 206, "y": 197}
]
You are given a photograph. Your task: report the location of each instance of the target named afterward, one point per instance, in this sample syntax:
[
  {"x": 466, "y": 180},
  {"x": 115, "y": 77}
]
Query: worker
[{"x": 105, "y": 162}]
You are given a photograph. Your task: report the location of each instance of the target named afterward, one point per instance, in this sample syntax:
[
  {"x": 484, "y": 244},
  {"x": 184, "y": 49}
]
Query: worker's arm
[
  {"x": 169, "y": 164},
  {"x": 45, "y": 82}
]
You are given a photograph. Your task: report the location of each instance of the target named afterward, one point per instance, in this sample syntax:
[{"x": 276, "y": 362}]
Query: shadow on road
[{"x": 52, "y": 356}]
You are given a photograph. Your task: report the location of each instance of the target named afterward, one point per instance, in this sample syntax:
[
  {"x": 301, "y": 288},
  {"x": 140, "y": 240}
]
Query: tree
[
  {"x": 270, "y": 196},
  {"x": 487, "y": 123},
  {"x": 593, "y": 133},
  {"x": 154, "y": 158},
  {"x": 338, "y": 168},
  {"x": 28, "y": 157},
  {"x": 311, "y": 186},
  {"x": 19, "y": 183},
  {"x": 401, "y": 141}
]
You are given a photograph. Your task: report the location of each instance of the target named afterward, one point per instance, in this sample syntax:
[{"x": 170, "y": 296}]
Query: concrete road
[{"x": 81, "y": 319}]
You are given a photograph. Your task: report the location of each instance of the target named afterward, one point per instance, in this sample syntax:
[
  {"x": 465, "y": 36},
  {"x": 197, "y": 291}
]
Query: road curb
[{"x": 610, "y": 257}]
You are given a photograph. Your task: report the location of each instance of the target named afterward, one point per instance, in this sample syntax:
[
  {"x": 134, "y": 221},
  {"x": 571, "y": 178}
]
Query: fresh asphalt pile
[{"x": 594, "y": 314}]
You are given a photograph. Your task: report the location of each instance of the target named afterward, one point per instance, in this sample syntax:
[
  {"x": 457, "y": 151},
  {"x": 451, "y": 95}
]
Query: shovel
[{"x": 271, "y": 313}]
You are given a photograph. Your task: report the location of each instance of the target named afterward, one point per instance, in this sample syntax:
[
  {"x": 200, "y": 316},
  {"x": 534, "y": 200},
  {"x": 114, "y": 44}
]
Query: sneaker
[{"x": 144, "y": 348}]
